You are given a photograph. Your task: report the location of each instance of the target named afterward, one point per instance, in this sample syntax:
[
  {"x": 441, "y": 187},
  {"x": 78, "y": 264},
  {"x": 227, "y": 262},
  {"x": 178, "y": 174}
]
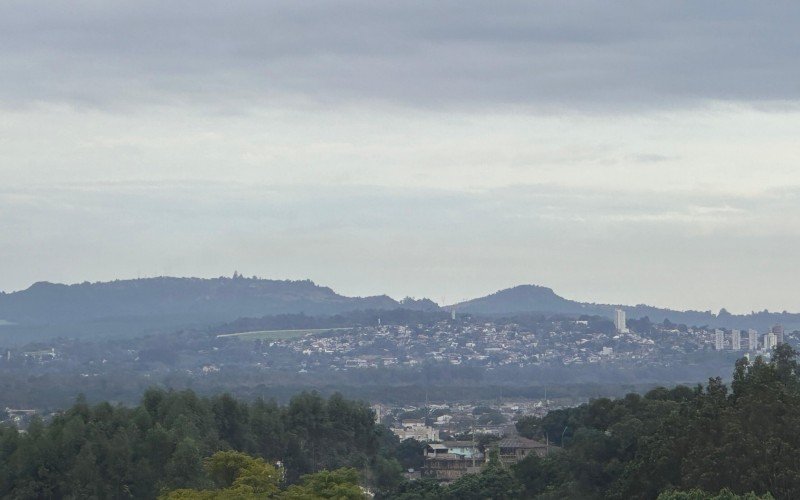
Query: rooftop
[{"x": 520, "y": 442}]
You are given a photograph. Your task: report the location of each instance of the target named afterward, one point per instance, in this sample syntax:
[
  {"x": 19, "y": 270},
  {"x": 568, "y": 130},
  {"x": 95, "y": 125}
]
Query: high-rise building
[
  {"x": 719, "y": 339},
  {"x": 770, "y": 341},
  {"x": 778, "y": 331},
  {"x": 736, "y": 340},
  {"x": 619, "y": 321},
  {"x": 753, "y": 339}
]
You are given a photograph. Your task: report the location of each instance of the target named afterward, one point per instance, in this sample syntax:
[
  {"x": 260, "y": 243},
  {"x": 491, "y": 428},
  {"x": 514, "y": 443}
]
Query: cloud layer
[
  {"x": 616, "y": 151},
  {"x": 551, "y": 55}
]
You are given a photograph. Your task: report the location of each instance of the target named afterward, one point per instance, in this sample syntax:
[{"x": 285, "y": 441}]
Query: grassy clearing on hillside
[{"x": 277, "y": 334}]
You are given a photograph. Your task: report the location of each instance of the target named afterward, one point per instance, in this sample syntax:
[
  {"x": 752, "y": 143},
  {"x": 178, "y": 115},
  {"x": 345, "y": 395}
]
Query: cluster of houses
[
  {"x": 19, "y": 418},
  {"x": 447, "y": 461},
  {"x": 488, "y": 345}
]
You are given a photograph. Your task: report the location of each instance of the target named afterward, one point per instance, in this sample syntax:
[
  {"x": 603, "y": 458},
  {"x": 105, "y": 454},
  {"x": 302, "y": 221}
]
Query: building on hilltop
[
  {"x": 770, "y": 341},
  {"x": 40, "y": 356},
  {"x": 719, "y": 339},
  {"x": 619, "y": 321},
  {"x": 752, "y": 339},
  {"x": 778, "y": 331}
]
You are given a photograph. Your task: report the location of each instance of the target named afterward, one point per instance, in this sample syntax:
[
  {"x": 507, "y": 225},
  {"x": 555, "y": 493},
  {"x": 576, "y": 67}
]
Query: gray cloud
[
  {"x": 397, "y": 147},
  {"x": 583, "y": 55}
]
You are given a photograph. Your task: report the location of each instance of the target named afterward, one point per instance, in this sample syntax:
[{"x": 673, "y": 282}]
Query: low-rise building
[
  {"x": 513, "y": 449},
  {"x": 416, "y": 429},
  {"x": 449, "y": 461}
]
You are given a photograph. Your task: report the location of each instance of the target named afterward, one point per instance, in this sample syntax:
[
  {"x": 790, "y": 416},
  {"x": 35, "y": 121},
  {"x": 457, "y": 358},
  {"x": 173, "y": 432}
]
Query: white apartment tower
[
  {"x": 619, "y": 321},
  {"x": 719, "y": 339},
  {"x": 778, "y": 331},
  {"x": 736, "y": 340},
  {"x": 770, "y": 341},
  {"x": 753, "y": 339}
]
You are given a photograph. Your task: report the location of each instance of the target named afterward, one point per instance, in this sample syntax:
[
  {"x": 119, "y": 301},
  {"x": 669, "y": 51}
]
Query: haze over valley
[{"x": 135, "y": 307}]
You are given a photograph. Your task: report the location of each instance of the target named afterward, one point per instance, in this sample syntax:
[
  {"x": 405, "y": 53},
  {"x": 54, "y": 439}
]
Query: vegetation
[
  {"x": 725, "y": 494},
  {"x": 670, "y": 444},
  {"x": 705, "y": 439},
  {"x": 242, "y": 477},
  {"x": 277, "y": 334},
  {"x": 116, "y": 452},
  {"x": 129, "y": 308}
]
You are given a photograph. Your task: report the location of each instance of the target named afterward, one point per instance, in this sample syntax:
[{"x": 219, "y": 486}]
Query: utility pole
[
  {"x": 473, "y": 446},
  {"x": 546, "y": 401}
]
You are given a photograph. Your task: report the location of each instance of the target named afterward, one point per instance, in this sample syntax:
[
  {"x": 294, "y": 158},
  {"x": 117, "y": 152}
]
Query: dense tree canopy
[
  {"x": 116, "y": 452},
  {"x": 242, "y": 477},
  {"x": 706, "y": 439},
  {"x": 684, "y": 443}
]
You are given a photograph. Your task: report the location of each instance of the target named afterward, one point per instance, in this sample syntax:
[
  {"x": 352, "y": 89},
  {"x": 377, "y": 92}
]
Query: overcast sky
[{"x": 627, "y": 152}]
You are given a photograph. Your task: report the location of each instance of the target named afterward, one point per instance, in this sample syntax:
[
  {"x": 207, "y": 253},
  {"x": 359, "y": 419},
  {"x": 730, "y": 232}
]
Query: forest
[
  {"x": 743, "y": 438},
  {"x": 709, "y": 441},
  {"x": 109, "y": 451}
]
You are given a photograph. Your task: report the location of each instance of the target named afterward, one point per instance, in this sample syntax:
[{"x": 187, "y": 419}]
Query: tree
[
  {"x": 725, "y": 494},
  {"x": 236, "y": 475},
  {"x": 494, "y": 482},
  {"x": 185, "y": 466},
  {"x": 410, "y": 453},
  {"x": 423, "y": 489},
  {"x": 340, "y": 484}
]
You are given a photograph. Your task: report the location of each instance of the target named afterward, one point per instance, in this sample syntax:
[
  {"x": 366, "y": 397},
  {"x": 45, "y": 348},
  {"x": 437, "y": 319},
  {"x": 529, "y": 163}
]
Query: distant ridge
[
  {"x": 538, "y": 299},
  {"x": 133, "y": 307},
  {"x": 194, "y": 300}
]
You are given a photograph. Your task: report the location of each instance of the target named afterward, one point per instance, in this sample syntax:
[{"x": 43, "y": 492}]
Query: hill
[
  {"x": 146, "y": 305},
  {"x": 153, "y": 305},
  {"x": 538, "y": 299},
  {"x": 521, "y": 299}
]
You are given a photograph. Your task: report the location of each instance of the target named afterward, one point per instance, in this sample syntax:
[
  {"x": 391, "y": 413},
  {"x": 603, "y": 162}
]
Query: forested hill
[
  {"x": 532, "y": 298},
  {"x": 522, "y": 299},
  {"x": 151, "y": 305},
  {"x": 183, "y": 299}
]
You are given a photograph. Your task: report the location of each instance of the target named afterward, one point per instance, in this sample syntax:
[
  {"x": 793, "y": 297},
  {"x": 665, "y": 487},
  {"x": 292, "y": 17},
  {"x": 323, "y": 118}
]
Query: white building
[
  {"x": 753, "y": 338},
  {"x": 416, "y": 428},
  {"x": 770, "y": 341},
  {"x": 778, "y": 331},
  {"x": 736, "y": 340},
  {"x": 719, "y": 339},
  {"x": 619, "y": 321}
]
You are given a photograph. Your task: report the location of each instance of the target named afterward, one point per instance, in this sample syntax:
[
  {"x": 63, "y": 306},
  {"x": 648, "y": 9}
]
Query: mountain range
[{"x": 138, "y": 306}]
